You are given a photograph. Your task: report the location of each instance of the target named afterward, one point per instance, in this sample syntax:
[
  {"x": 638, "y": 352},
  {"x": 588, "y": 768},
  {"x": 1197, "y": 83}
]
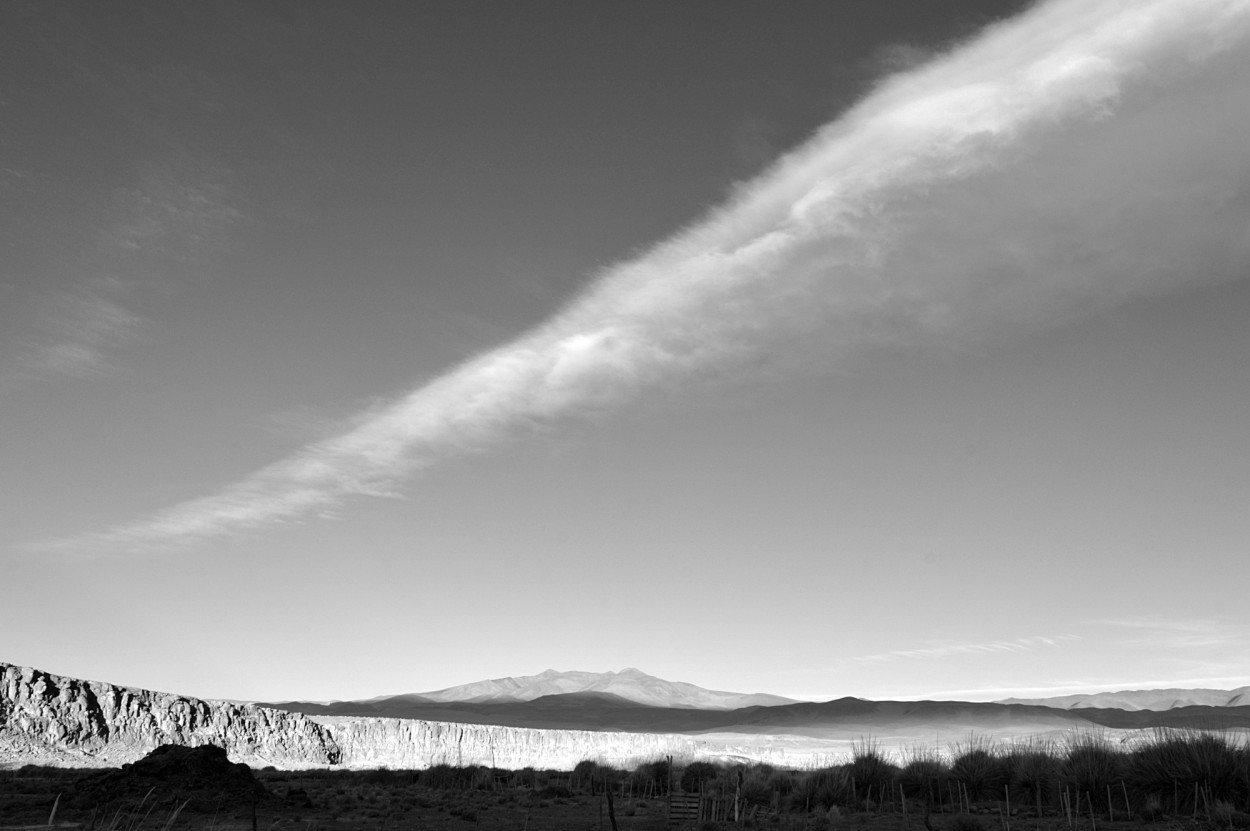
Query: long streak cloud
[{"x": 1080, "y": 155}]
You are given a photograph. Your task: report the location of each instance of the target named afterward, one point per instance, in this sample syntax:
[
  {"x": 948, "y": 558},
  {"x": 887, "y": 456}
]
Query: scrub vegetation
[{"x": 1179, "y": 780}]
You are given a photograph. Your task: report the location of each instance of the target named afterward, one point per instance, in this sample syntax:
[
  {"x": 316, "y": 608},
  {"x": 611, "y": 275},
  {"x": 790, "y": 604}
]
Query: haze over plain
[{"x": 381, "y": 353}]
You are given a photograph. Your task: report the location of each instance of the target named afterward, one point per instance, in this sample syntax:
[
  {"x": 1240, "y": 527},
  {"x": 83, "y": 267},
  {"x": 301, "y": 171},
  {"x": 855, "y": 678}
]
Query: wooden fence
[{"x": 693, "y": 808}]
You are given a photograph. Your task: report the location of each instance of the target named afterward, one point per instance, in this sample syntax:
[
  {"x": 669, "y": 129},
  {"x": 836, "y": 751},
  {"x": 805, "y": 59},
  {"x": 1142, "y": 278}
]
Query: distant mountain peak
[
  {"x": 1156, "y": 700},
  {"x": 630, "y": 683}
]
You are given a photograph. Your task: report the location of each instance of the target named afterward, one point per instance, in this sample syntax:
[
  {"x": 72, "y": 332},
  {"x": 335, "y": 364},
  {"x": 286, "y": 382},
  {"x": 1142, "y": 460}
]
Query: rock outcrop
[
  {"x": 200, "y": 779},
  {"x": 52, "y": 719}
]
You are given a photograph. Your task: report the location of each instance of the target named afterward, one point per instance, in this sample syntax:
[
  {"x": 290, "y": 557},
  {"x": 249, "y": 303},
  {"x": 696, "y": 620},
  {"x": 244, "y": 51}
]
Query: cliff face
[
  {"x": 409, "y": 743},
  {"x": 51, "y": 719}
]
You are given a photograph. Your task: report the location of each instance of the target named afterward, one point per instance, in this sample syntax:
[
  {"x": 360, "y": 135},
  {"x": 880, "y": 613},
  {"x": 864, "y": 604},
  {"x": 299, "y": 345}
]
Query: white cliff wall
[
  {"x": 406, "y": 743},
  {"x": 409, "y": 743}
]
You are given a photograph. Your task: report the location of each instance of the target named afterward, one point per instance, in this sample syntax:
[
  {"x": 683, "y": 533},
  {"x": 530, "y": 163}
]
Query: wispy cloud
[
  {"x": 149, "y": 233},
  {"x": 77, "y": 329},
  {"x": 1083, "y": 687},
  {"x": 1016, "y": 645},
  {"x": 1162, "y": 633},
  {"x": 898, "y": 57},
  {"x": 177, "y": 209},
  {"x": 1085, "y": 153}
]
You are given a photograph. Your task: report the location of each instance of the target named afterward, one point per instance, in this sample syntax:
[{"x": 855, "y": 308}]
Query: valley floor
[{"x": 298, "y": 803}]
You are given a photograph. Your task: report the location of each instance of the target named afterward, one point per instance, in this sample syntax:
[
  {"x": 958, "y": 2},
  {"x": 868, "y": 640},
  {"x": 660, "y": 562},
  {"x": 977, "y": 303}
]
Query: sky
[{"x": 873, "y": 348}]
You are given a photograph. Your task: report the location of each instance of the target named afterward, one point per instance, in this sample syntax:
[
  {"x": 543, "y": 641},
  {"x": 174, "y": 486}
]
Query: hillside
[
  {"x": 1157, "y": 700},
  {"x": 629, "y": 684},
  {"x": 844, "y": 717}
]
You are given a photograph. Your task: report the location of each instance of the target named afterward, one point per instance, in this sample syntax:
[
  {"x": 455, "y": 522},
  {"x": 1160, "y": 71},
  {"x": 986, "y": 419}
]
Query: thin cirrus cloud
[
  {"x": 1083, "y": 687},
  {"x": 1186, "y": 634},
  {"x": 1080, "y": 155},
  {"x": 1016, "y": 645},
  {"x": 78, "y": 330},
  {"x": 151, "y": 230}
]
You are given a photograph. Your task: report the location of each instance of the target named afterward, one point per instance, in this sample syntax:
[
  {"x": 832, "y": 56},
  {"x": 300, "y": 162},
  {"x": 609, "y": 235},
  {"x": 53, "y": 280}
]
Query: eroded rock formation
[
  {"x": 409, "y": 743},
  {"x": 53, "y": 719}
]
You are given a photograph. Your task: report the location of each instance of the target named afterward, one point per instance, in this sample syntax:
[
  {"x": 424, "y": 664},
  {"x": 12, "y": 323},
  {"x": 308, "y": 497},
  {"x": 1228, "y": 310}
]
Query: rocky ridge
[{"x": 54, "y": 719}]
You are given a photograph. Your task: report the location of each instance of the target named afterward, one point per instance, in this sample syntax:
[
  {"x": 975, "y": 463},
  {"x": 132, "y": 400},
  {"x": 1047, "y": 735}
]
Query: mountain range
[
  {"x": 1168, "y": 699},
  {"x": 630, "y": 684},
  {"x": 633, "y": 701},
  {"x": 629, "y": 687}
]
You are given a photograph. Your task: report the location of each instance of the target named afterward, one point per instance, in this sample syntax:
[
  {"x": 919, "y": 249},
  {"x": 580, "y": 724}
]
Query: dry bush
[
  {"x": 924, "y": 775},
  {"x": 1091, "y": 765},
  {"x": 976, "y": 767}
]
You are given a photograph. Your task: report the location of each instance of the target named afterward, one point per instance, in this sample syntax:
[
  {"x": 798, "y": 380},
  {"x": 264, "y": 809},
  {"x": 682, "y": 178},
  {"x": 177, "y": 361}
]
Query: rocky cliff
[
  {"x": 52, "y": 719},
  {"x": 409, "y": 743}
]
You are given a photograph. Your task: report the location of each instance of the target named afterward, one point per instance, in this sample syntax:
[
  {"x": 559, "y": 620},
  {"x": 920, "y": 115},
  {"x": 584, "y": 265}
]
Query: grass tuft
[{"x": 977, "y": 768}]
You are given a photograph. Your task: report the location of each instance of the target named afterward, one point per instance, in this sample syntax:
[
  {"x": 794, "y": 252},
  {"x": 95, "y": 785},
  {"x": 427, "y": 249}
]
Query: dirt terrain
[
  {"x": 27, "y": 799},
  {"x": 374, "y": 801},
  {"x": 200, "y": 788}
]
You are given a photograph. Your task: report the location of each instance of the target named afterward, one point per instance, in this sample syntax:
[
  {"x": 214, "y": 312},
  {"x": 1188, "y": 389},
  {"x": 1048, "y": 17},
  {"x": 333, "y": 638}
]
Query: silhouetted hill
[
  {"x": 1166, "y": 699},
  {"x": 1190, "y": 718},
  {"x": 604, "y": 711}
]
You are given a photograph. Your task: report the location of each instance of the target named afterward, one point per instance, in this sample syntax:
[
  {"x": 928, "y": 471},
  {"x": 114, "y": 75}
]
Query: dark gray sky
[{"x": 397, "y": 334}]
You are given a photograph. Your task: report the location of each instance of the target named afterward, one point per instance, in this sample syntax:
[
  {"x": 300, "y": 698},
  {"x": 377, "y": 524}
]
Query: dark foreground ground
[
  {"x": 290, "y": 800},
  {"x": 312, "y": 804},
  {"x": 200, "y": 789}
]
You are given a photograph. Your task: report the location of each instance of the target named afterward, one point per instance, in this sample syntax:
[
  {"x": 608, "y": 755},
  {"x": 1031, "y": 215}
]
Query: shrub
[
  {"x": 554, "y": 792},
  {"x": 975, "y": 766},
  {"x": 923, "y": 775},
  {"x": 447, "y": 777},
  {"x": 1224, "y": 815},
  {"x": 871, "y": 771},
  {"x": 584, "y": 774},
  {"x": 1090, "y": 765},
  {"x": 1176, "y": 767},
  {"x": 965, "y": 822},
  {"x": 655, "y": 774},
  {"x": 756, "y": 791},
  {"x": 697, "y": 775},
  {"x": 1035, "y": 775},
  {"x": 810, "y": 790},
  {"x": 820, "y": 790},
  {"x": 781, "y": 781}
]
